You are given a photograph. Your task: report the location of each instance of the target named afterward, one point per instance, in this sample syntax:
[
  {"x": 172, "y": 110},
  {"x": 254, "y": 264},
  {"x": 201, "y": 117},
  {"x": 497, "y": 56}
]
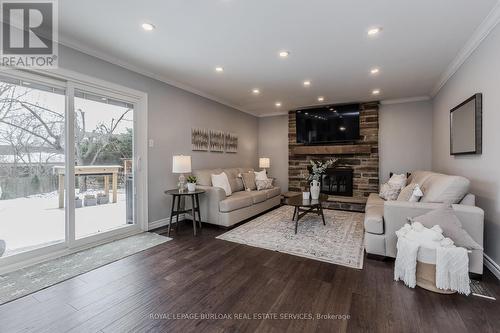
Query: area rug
[
  {"x": 339, "y": 242},
  {"x": 34, "y": 278}
]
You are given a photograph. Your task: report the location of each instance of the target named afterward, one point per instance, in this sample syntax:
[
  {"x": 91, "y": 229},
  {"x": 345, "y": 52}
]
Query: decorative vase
[
  {"x": 191, "y": 187},
  {"x": 315, "y": 190}
]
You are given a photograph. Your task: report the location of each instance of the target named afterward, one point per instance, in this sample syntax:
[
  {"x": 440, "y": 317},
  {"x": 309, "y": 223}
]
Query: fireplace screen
[{"x": 337, "y": 181}]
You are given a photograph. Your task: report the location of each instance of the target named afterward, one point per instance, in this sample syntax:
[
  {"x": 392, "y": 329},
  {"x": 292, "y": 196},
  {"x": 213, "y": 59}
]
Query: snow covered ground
[{"x": 36, "y": 221}]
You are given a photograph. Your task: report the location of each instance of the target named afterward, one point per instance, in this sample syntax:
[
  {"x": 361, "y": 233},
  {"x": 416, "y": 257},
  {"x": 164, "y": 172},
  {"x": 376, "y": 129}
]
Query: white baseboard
[
  {"x": 163, "y": 222},
  {"x": 492, "y": 266}
]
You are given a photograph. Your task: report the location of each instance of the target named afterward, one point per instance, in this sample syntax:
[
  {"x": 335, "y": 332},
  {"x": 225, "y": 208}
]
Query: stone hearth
[{"x": 362, "y": 156}]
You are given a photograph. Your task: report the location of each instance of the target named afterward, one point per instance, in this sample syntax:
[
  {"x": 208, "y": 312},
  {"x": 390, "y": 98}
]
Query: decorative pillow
[
  {"x": 222, "y": 181},
  {"x": 411, "y": 193},
  {"x": 451, "y": 225},
  {"x": 264, "y": 184},
  {"x": 398, "y": 181},
  {"x": 249, "y": 180},
  {"x": 260, "y": 175},
  {"x": 389, "y": 192}
]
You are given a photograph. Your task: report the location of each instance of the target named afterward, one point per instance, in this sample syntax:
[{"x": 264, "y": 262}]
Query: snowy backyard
[{"x": 36, "y": 221}]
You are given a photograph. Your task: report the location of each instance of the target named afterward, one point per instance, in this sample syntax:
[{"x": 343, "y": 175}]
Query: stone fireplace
[{"x": 358, "y": 163}]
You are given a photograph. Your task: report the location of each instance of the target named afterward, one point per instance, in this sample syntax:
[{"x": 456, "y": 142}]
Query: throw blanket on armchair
[{"x": 452, "y": 263}]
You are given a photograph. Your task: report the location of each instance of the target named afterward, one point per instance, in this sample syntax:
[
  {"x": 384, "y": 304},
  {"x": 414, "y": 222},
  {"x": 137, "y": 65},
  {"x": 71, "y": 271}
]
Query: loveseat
[
  {"x": 383, "y": 218},
  {"x": 217, "y": 208}
]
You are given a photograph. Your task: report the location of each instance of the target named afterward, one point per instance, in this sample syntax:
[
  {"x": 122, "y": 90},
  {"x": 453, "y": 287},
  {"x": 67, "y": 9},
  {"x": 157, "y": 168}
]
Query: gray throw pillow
[
  {"x": 451, "y": 225},
  {"x": 249, "y": 181},
  {"x": 264, "y": 184}
]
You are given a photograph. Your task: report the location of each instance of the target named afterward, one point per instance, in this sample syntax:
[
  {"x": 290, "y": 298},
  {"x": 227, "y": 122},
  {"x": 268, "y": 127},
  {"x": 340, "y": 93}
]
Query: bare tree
[{"x": 27, "y": 127}]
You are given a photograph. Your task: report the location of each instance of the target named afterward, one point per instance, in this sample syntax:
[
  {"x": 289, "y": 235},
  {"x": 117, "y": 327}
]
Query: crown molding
[
  {"x": 482, "y": 31},
  {"x": 405, "y": 100},
  {"x": 136, "y": 69}
]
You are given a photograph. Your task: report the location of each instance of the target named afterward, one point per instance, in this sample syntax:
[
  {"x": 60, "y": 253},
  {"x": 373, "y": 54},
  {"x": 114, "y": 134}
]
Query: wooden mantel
[{"x": 331, "y": 150}]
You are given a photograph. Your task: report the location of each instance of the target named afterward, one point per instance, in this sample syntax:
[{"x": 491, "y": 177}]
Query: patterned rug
[
  {"x": 34, "y": 278},
  {"x": 339, "y": 242}
]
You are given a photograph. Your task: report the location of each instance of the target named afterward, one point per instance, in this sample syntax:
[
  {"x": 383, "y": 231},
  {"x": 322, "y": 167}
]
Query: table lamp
[
  {"x": 181, "y": 164},
  {"x": 264, "y": 163}
]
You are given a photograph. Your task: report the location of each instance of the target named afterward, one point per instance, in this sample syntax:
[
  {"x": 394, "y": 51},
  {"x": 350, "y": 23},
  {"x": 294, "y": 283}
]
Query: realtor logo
[{"x": 29, "y": 34}]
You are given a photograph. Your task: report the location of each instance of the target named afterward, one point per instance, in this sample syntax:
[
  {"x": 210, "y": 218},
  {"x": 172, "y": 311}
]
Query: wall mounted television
[{"x": 328, "y": 124}]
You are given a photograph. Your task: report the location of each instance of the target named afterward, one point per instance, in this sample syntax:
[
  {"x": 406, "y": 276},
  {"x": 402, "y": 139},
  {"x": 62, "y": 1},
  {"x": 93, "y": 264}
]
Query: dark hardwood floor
[{"x": 189, "y": 277}]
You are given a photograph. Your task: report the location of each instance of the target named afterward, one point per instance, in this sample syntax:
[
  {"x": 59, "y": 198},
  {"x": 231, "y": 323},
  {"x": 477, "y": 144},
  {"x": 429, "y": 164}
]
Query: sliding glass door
[
  {"x": 104, "y": 156},
  {"x": 32, "y": 139},
  {"x": 68, "y": 164}
]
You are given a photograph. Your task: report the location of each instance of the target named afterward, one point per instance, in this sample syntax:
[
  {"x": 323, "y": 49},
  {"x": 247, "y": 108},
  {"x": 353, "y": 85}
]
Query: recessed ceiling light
[
  {"x": 374, "y": 71},
  {"x": 376, "y": 92},
  {"x": 284, "y": 54},
  {"x": 307, "y": 113},
  {"x": 307, "y": 83},
  {"x": 374, "y": 31},
  {"x": 148, "y": 26},
  {"x": 278, "y": 104},
  {"x": 255, "y": 91},
  {"x": 321, "y": 99},
  {"x": 342, "y": 128},
  {"x": 219, "y": 69}
]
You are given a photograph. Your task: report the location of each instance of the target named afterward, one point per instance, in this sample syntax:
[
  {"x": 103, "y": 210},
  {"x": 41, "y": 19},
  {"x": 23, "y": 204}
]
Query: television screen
[{"x": 334, "y": 123}]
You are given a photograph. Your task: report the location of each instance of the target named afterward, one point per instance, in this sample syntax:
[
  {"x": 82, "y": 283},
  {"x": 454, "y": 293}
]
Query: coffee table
[{"x": 303, "y": 207}]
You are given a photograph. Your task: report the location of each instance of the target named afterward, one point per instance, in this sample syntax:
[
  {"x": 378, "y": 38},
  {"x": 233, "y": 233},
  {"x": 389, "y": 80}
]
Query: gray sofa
[
  {"x": 383, "y": 218},
  {"x": 218, "y": 209}
]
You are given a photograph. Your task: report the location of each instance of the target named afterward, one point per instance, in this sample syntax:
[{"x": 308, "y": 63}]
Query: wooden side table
[{"x": 176, "y": 211}]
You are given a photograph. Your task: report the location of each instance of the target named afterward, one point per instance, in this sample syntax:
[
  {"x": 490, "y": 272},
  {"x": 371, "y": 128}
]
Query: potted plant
[
  {"x": 191, "y": 183},
  {"x": 317, "y": 169},
  {"x": 102, "y": 198},
  {"x": 89, "y": 200}
]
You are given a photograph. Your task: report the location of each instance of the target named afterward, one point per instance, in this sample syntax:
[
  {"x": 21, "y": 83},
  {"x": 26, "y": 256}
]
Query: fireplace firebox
[{"x": 337, "y": 181}]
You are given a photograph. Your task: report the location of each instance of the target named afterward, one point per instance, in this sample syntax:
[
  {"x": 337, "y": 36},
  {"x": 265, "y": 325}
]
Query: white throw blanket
[
  {"x": 452, "y": 269},
  {"x": 452, "y": 263},
  {"x": 405, "y": 267}
]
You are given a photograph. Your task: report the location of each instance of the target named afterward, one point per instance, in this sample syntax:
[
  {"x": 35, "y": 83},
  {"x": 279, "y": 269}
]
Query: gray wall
[
  {"x": 273, "y": 143},
  {"x": 405, "y": 137},
  {"x": 171, "y": 114},
  {"x": 480, "y": 73}
]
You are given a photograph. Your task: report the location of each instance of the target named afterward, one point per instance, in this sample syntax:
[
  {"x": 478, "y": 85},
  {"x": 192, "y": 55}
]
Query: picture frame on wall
[
  {"x": 231, "y": 143},
  {"x": 200, "y": 139},
  {"x": 466, "y": 130},
  {"x": 216, "y": 141}
]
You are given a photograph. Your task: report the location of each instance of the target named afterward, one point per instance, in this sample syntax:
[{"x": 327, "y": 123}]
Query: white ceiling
[{"x": 327, "y": 40}]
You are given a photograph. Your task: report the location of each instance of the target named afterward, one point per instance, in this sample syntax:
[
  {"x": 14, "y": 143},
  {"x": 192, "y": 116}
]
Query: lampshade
[
  {"x": 181, "y": 164},
  {"x": 264, "y": 162}
]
